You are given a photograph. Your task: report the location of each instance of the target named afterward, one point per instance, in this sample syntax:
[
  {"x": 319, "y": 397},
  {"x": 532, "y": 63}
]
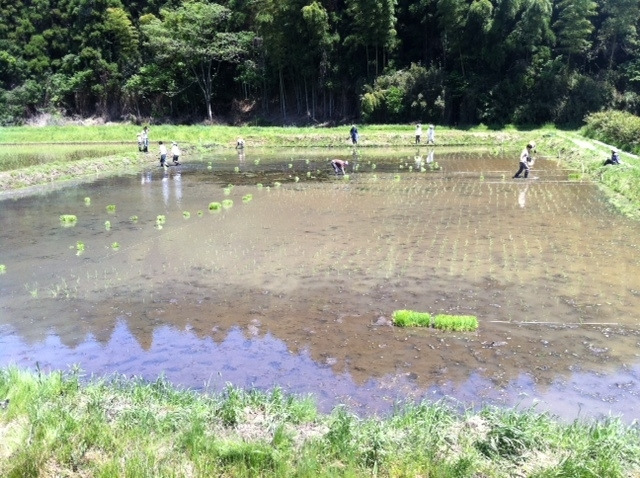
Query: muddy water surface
[{"x": 294, "y": 285}]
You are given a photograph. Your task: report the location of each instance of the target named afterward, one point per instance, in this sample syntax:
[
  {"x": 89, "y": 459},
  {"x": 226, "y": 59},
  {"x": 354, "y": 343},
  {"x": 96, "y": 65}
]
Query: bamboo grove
[{"x": 456, "y": 62}]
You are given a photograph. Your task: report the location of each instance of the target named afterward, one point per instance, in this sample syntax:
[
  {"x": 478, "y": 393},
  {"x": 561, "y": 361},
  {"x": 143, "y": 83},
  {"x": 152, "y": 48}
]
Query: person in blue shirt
[
  {"x": 615, "y": 157},
  {"x": 353, "y": 133}
]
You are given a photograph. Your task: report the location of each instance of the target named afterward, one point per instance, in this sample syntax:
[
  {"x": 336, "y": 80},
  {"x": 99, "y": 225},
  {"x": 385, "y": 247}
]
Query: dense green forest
[{"x": 455, "y": 62}]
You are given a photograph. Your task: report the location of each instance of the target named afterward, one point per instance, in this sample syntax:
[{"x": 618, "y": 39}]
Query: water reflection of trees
[{"x": 333, "y": 333}]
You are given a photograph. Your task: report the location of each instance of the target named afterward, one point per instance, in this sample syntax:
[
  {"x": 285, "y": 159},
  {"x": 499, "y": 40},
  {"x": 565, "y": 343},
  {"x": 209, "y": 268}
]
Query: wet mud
[{"x": 295, "y": 283}]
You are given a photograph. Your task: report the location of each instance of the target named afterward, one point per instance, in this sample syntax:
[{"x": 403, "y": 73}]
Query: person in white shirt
[
  {"x": 526, "y": 161},
  {"x": 418, "y": 133},
  {"x": 431, "y": 135},
  {"x": 163, "y": 154},
  {"x": 175, "y": 152}
]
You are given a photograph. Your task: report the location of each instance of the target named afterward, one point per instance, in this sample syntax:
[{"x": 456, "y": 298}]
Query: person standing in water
[
  {"x": 145, "y": 139},
  {"x": 418, "y": 133},
  {"x": 163, "y": 154},
  {"x": 526, "y": 161},
  {"x": 431, "y": 135},
  {"x": 175, "y": 152}
]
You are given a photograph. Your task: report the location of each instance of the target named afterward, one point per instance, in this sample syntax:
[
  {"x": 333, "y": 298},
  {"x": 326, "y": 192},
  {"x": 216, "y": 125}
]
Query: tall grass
[{"x": 61, "y": 425}]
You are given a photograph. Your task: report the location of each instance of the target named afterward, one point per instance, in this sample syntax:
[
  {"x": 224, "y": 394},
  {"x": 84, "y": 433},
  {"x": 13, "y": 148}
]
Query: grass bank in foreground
[{"x": 55, "y": 425}]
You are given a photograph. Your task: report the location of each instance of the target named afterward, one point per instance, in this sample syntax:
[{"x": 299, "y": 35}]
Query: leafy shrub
[
  {"x": 414, "y": 92},
  {"x": 618, "y": 128}
]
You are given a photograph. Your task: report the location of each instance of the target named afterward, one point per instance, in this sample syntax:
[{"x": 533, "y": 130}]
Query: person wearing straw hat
[
  {"x": 526, "y": 160},
  {"x": 614, "y": 159}
]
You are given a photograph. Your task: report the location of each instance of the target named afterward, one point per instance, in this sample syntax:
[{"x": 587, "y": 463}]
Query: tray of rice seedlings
[
  {"x": 410, "y": 318},
  {"x": 68, "y": 220},
  {"x": 457, "y": 323}
]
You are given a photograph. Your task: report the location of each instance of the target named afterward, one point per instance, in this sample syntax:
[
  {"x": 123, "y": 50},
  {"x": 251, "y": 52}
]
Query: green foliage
[
  {"x": 68, "y": 220},
  {"x": 410, "y": 318},
  {"x": 460, "y": 323},
  {"x": 54, "y": 418},
  {"x": 614, "y": 127},
  {"x": 411, "y": 93}
]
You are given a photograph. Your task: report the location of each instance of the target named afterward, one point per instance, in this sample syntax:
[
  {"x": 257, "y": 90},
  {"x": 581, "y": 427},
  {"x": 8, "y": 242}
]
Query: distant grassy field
[{"x": 57, "y": 425}]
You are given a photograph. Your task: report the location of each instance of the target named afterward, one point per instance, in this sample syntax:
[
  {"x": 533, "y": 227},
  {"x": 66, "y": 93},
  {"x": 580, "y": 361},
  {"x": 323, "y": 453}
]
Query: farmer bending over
[{"x": 338, "y": 165}]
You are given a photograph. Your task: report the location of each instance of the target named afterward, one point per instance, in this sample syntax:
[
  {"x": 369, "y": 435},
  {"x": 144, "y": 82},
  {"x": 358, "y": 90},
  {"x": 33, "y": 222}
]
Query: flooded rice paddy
[{"x": 294, "y": 281}]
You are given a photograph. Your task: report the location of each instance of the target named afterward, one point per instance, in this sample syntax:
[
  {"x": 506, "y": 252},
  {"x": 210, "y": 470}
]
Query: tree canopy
[{"x": 283, "y": 61}]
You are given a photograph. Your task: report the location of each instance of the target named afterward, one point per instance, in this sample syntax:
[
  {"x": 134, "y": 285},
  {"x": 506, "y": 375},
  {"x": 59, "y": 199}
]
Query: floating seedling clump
[
  {"x": 186, "y": 214},
  {"x": 200, "y": 213},
  {"x": 457, "y": 323},
  {"x": 3, "y": 268},
  {"x": 115, "y": 246},
  {"x": 227, "y": 203},
  {"x": 87, "y": 201},
  {"x": 215, "y": 206},
  {"x": 247, "y": 197},
  {"x": 79, "y": 248},
  {"x": 68, "y": 220},
  {"x": 410, "y": 318},
  {"x": 111, "y": 208},
  {"x": 226, "y": 191},
  {"x": 133, "y": 219},
  {"x": 107, "y": 225},
  {"x": 259, "y": 185}
]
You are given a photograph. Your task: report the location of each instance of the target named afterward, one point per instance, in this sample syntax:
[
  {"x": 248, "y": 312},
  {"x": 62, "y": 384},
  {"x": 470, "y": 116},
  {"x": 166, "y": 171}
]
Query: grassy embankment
[
  {"x": 55, "y": 425},
  {"x": 59, "y": 150}
]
